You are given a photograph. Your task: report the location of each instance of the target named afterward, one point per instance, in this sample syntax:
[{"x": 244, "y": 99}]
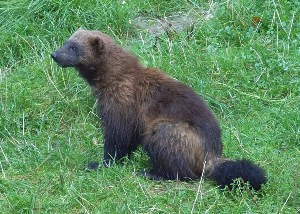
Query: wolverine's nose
[{"x": 54, "y": 55}]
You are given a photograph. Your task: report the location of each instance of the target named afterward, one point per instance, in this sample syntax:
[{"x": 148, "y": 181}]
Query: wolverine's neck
[{"x": 88, "y": 73}]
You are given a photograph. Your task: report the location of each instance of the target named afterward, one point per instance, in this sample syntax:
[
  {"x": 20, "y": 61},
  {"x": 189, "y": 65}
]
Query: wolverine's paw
[
  {"x": 91, "y": 166},
  {"x": 150, "y": 175}
]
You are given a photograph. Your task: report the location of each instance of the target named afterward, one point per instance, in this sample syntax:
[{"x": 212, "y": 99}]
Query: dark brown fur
[{"x": 143, "y": 106}]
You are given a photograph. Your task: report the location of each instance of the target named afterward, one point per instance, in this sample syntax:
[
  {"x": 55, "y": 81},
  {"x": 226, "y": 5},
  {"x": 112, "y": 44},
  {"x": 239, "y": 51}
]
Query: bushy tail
[{"x": 225, "y": 171}]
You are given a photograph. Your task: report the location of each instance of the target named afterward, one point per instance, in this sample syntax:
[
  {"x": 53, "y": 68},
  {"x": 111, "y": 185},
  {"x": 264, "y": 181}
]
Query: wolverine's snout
[
  {"x": 54, "y": 55},
  {"x": 62, "y": 59}
]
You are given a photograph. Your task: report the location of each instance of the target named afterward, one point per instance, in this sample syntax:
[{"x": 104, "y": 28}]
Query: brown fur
[{"x": 144, "y": 106}]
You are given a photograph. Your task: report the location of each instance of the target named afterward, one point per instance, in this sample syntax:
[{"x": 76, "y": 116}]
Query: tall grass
[{"x": 247, "y": 71}]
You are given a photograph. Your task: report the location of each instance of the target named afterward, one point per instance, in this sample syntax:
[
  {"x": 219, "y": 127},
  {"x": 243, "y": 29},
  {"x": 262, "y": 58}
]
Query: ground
[{"x": 247, "y": 71}]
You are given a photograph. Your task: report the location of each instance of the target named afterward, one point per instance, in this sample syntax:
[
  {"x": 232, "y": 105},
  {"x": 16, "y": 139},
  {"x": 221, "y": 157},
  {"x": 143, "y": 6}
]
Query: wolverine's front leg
[
  {"x": 120, "y": 140},
  {"x": 115, "y": 148},
  {"x": 120, "y": 129}
]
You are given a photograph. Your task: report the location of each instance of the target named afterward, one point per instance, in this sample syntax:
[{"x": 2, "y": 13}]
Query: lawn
[{"x": 241, "y": 56}]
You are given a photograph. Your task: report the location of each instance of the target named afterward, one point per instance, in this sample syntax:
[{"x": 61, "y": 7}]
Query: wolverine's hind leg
[{"x": 175, "y": 149}]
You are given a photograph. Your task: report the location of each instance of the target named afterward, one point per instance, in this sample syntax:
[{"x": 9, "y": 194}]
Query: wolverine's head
[{"x": 83, "y": 48}]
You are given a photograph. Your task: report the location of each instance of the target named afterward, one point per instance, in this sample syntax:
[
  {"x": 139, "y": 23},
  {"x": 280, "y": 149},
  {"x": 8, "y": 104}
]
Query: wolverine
[{"x": 146, "y": 107}]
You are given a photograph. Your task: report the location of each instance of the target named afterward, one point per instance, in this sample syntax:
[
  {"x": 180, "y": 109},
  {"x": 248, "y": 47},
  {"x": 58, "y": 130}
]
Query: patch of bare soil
[{"x": 173, "y": 24}]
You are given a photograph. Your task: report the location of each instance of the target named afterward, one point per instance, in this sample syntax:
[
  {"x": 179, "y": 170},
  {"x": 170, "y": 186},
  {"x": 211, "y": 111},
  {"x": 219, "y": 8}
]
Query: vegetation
[{"x": 244, "y": 61}]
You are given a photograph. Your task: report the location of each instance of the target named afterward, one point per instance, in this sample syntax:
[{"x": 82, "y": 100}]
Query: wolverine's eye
[{"x": 73, "y": 47}]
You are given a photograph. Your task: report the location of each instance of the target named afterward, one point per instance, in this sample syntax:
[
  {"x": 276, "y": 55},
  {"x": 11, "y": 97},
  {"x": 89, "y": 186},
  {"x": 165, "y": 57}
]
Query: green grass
[{"x": 49, "y": 130}]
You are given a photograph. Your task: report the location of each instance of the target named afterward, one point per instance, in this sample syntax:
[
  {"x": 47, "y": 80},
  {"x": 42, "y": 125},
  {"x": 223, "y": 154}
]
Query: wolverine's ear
[{"x": 97, "y": 42}]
